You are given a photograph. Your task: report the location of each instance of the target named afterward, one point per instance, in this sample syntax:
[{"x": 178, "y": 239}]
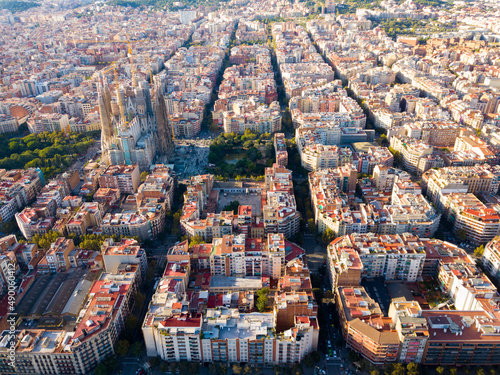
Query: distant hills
[{"x": 18, "y": 6}]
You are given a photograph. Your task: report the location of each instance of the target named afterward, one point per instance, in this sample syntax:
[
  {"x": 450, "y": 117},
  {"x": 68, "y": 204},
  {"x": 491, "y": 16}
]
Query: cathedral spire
[
  {"x": 165, "y": 138},
  {"x": 105, "y": 114}
]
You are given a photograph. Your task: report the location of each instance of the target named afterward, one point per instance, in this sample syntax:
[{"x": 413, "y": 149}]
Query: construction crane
[
  {"x": 132, "y": 67},
  {"x": 130, "y": 53},
  {"x": 113, "y": 68}
]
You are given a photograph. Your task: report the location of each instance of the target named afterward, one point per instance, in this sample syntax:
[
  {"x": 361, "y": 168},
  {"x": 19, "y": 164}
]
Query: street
[
  {"x": 191, "y": 157},
  {"x": 91, "y": 153}
]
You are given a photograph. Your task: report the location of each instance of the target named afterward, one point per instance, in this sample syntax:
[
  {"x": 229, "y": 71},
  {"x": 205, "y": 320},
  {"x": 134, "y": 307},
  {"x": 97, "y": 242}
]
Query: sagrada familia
[{"x": 135, "y": 126}]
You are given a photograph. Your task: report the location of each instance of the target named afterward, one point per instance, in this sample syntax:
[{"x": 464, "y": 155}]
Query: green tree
[
  {"x": 297, "y": 369},
  {"x": 311, "y": 225},
  {"x": 398, "y": 158},
  {"x": 9, "y": 227},
  {"x": 461, "y": 234},
  {"x": 164, "y": 366},
  {"x": 176, "y": 226},
  {"x": 262, "y": 299},
  {"x": 440, "y": 370},
  {"x": 232, "y": 206},
  {"x": 195, "y": 240},
  {"x": 193, "y": 367},
  {"x": 144, "y": 175},
  {"x": 213, "y": 368},
  {"x": 131, "y": 323},
  {"x": 44, "y": 241},
  {"x": 479, "y": 251},
  {"x": 398, "y": 369},
  {"x": 327, "y": 236},
  {"x": 480, "y": 371},
  {"x": 454, "y": 370},
  {"x": 237, "y": 369},
  {"x": 155, "y": 362},
  {"x": 136, "y": 349},
  {"x": 122, "y": 347},
  {"x": 140, "y": 298},
  {"x": 101, "y": 369},
  {"x": 412, "y": 369}
]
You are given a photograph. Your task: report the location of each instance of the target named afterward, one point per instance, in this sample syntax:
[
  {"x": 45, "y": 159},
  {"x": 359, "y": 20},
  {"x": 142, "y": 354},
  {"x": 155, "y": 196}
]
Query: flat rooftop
[{"x": 244, "y": 283}]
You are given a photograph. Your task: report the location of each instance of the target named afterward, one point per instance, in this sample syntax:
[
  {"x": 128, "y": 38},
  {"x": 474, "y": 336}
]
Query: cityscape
[{"x": 256, "y": 187}]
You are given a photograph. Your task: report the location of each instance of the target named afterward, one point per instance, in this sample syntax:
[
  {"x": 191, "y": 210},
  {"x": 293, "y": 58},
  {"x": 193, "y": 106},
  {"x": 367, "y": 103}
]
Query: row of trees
[
  {"x": 162, "y": 4},
  {"x": 173, "y": 217},
  {"x": 262, "y": 299},
  {"x": 52, "y": 152},
  {"x": 394, "y": 27},
  {"x": 415, "y": 369},
  {"x": 183, "y": 367},
  {"x": 86, "y": 242}
]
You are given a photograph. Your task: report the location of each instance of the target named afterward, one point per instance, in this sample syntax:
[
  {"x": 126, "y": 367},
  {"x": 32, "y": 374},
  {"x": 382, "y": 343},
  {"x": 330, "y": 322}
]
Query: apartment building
[
  {"x": 409, "y": 211},
  {"x": 491, "y": 257},
  {"x": 344, "y": 265},
  {"x": 215, "y": 325},
  {"x": 56, "y": 257},
  {"x": 18, "y": 188},
  {"x": 366, "y": 161},
  {"x": 364, "y": 327},
  {"x": 107, "y": 197},
  {"x": 10, "y": 251},
  {"x": 316, "y": 156},
  {"x": 146, "y": 223},
  {"x": 226, "y": 335},
  {"x": 393, "y": 257},
  {"x": 279, "y": 212},
  {"x": 49, "y": 122},
  {"x": 412, "y": 152},
  {"x": 214, "y": 226},
  {"x": 159, "y": 185},
  {"x": 479, "y": 178},
  {"x": 412, "y": 329},
  {"x": 385, "y": 177},
  {"x": 258, "y": 119},
  {"x": 434, "y": 133},
  {"x": 472, "y": 144},
  {"x": 479, "y": 221},
  {"x": 280, "y": 149},
  {"x": 31, "y": 222},
  {"x": 458, "y": 338},
  {"x": 99, "y": 324},
  {"x": 239, "y": 255},
  {"x": 195, "y": 199},
  {"x": 289, "y": 305},
  {"x": 88, "y": 216},
  {"x": 125, "y": 178},
  {"x": 8, "y": 124}
]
